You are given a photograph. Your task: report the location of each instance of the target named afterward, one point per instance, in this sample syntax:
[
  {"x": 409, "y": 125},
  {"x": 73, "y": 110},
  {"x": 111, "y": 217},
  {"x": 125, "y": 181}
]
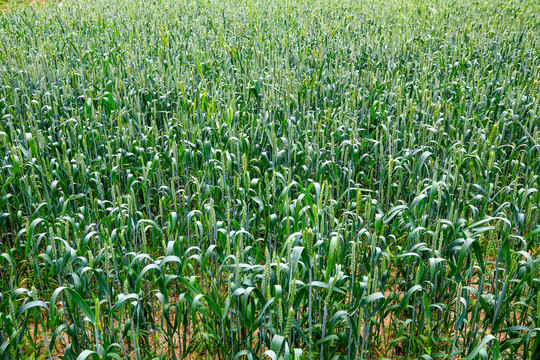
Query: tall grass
[{"x": 270, "y": 179}]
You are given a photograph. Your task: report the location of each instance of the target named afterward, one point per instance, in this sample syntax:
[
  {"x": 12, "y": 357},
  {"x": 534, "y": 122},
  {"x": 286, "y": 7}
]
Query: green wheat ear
[{"x": 358, "y": 202}]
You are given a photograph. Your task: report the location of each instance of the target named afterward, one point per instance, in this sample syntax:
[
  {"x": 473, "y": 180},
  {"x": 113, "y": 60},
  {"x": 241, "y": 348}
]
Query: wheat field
[{"x": 249, "y": 179}]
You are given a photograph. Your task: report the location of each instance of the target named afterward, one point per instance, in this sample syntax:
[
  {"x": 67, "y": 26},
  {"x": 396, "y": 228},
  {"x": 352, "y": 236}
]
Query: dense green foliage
[{"x": 270, "y": 179}]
